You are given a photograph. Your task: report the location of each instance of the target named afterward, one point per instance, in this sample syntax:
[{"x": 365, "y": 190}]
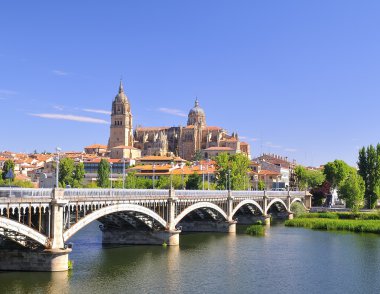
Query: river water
[{"x": 286, "y": 260}]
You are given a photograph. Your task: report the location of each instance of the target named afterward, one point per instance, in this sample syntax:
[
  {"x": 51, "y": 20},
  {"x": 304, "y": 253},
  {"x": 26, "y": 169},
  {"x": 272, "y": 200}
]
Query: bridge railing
[
  {"x": 201, "y": 193},
  {"x": 25, "y": 192},
  {"x": 115, "y": 193}
]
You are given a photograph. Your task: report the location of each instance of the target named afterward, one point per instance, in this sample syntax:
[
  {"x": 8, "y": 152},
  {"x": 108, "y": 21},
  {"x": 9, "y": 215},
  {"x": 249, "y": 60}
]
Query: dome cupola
[{"x": 197, "y": 115}]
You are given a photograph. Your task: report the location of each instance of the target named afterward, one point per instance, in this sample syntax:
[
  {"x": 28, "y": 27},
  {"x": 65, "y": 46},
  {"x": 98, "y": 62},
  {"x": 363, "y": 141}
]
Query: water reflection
[{"x": 286, "y": 260}]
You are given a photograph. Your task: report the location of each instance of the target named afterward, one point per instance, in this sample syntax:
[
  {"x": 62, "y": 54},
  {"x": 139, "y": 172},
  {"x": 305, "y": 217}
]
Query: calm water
[{"x": 287, "y": 260}]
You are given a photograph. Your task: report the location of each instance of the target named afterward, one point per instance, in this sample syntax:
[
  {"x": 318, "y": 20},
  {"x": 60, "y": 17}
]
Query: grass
[
  {"x": 256, "y": 230},
  {"x": 70, "y": 265},
  {"x": 343, "y": 215},
  {"x": 328, "y": 224}
]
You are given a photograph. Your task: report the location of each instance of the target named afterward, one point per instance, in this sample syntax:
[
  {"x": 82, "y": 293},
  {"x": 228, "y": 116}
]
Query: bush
[
  {"x": 298, "y": 209},
  {"x": 359, "y": 226},
  {"x": 256, "y": 230}
]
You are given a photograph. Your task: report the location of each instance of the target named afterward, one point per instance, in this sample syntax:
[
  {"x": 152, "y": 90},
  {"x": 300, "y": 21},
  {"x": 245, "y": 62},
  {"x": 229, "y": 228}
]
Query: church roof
[{"x": 196, "y": 110}]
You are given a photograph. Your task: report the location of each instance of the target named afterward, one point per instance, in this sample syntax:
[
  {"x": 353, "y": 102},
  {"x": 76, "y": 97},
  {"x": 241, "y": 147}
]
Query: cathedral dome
[{"x": 196, "y": 115}]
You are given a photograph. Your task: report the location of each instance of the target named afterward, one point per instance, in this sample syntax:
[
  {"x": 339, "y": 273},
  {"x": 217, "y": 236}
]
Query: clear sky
[{"x": 296, "y": 78}]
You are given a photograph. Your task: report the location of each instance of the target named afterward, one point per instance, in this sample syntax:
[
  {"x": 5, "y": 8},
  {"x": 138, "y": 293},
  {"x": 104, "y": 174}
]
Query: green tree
[
  {"x": 194, "y": 182},
  {"x": 308, "y": 179},
  {"x": 352, "y": 191},
  {"x": 103, "y": 180},
  {"x": 261, "y": 185},
  {"x": 369, "y": 169},
  {"x": 66, "y": 171},
  {"x": 232, "y": 169},
  {"x": 78, "y": 175},
  {"x": 9, "y": 165},
  {"x": 336, "y": 172}
]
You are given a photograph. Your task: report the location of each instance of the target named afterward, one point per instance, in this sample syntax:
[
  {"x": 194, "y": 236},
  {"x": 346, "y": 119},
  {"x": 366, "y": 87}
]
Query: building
[
  {"x": 121, "y": 131},
  {"x": 281, "y": 165},
  {"x": 190, "y": 141}
]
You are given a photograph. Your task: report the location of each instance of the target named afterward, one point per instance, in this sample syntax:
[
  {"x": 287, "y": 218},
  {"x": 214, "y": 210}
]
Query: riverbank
[{"x": 352, "y": 222}]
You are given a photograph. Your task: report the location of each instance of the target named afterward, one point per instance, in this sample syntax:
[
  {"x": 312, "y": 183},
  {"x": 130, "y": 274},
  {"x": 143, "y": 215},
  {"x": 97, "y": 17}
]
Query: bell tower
[{"x": 121, "y": 132}]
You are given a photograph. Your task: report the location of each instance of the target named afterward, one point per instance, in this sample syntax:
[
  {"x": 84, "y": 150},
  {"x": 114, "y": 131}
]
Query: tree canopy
[
  {"x": 309, "y": 179},
  {"x": 8, "y": 166},
  {"x": 103, "y": 180},
  {"x": 347, "y": 181},
  {"x": 369, "y": 169},
  {"x": 232, "y": 170}
]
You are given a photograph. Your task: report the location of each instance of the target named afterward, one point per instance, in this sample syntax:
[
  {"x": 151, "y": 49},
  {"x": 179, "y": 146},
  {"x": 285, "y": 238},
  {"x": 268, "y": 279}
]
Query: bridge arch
[
  {"x": 198, "y": 206},
  {"x": 246, "y": 202},
  {"x": 23, "y": 230},
  {"x": 278, "y": 200},
  {"x": 109, "y": 210},
  {"x": 298, "y": 200}
]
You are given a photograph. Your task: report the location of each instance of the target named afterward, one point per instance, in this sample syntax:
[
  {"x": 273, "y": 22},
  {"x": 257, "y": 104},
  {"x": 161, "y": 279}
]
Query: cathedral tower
[{"x": 121, "y": 133}]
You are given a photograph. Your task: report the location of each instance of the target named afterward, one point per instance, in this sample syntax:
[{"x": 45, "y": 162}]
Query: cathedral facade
[{"x": 195, "y": 140}]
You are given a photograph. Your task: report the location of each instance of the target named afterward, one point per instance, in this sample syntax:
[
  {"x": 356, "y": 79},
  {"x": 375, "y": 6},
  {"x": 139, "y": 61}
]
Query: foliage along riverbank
[{"x": 353, "y": 222}]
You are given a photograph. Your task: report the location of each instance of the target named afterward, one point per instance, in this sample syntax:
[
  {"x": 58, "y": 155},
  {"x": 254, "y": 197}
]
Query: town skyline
[{"x": 308, "y": 92}]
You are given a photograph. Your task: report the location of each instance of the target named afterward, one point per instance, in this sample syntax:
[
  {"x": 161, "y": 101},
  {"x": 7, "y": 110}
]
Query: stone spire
[{"x": 121, "y": 88}]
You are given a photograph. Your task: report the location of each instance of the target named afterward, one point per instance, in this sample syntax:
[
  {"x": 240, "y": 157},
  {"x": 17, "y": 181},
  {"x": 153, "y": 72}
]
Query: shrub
[
  {"x": 256, "y": 230},
  {"x": 298, "y": 209}
]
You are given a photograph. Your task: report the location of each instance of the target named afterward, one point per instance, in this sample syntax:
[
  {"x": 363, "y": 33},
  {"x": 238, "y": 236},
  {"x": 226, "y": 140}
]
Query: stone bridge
[{"x": 37, "y": 224}]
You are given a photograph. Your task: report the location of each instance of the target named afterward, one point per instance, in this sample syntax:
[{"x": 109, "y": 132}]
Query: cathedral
[{"x": 196, "y": 140}]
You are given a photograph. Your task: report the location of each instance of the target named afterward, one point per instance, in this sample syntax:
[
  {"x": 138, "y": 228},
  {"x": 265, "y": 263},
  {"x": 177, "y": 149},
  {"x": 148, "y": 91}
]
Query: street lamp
[
  {"x": 203, "y": 177},
  {"x": 154, "y": 167},
  {"x": 123, "y": 161},
  {"x": 57, "y": 167},
  {"x": 208, "y": 175},
  {"x": 229, "y": 179},
  {"x": 171, "y": 178},
  {"x": 111, "y": 173}
]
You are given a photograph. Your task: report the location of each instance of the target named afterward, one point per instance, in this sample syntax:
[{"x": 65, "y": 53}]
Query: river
[{"x": 286, "y": 260}]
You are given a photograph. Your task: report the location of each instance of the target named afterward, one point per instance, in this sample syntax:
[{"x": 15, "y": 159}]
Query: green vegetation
[
  {"x": 8, "y": 165},
  {"x": 256, "y": 230},
  {"x": 309, "y": 179},
  {"x": 232, "y": 170},
  {"x": 347, "y": 181},
  {"x": 360, "y": 226},
  {"x": 297, "y": 209},
  {"x": 103, "y": 174},
  {"x": 70, "y": 173},
  {"x": 343, "y": 215},
  {"x": 194, "y": 182},
  {"x": 340, "y": 221},
  {"x": 70, "y": 265},
  {"x": 261, "y": 185},
  {"x": 369, "y": 169}
]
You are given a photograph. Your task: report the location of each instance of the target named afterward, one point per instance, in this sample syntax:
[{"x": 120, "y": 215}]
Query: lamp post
[
  {"x": 57, "y": 168},
  {"x": 208, "y": 175},
  {"x": 229, "y": 179},
  {"x": 171, "y": 175},
  {"x": 154, "y": 167},
  {"x": 123, "y": 161},
  {"x": 111, "y": 173},
  {"x": 203, "y": 177}
]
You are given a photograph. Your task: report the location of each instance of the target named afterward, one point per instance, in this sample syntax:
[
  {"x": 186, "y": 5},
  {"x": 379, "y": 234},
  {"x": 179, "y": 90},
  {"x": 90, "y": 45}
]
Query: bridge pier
[
  {"x": 48, "y": 260},
  {"x": 208, "y": 226},
  {"x": 133, "y": 237}
]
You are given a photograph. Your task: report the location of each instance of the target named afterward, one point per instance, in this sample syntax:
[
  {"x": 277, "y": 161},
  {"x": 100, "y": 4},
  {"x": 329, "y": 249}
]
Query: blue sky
[{"x": 296, "y": 78}]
